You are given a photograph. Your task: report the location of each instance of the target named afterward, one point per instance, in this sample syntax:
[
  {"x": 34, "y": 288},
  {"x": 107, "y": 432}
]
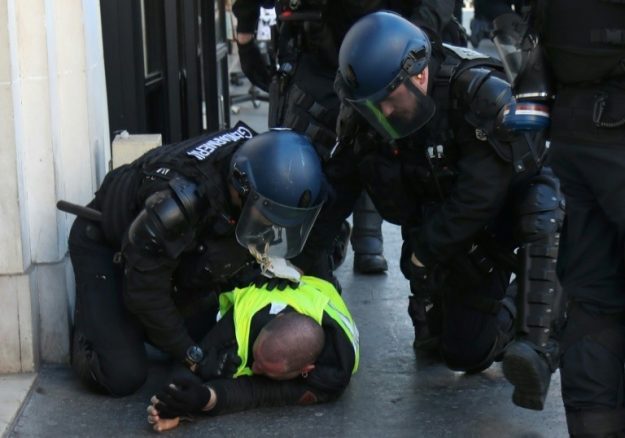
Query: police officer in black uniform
[
  {"x": 177, "y": 225},
  {"x": 485, "y": 11},
  {"x": 302, "y": 96},
  {"x": 584, "y": 43},
  {"x": 466, "y": 190}
]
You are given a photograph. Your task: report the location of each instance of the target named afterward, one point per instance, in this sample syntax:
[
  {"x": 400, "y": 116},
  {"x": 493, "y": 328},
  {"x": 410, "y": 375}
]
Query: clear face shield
[
  {"x": 272, "y": 231},
  {"x": 398, "y": 110},
  {"x": 508, "y": 32}
]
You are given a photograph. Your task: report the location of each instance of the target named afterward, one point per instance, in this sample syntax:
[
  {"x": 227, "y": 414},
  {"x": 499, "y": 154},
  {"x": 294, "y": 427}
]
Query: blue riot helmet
[
  {"x": 279, "y": 177},
  {"x": 379, "y": 56}
]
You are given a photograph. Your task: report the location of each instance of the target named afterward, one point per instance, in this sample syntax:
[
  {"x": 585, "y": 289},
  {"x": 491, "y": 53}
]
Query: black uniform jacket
[
  {"x": 159, "y": 289},
  {"x": 439, "y": 216}
]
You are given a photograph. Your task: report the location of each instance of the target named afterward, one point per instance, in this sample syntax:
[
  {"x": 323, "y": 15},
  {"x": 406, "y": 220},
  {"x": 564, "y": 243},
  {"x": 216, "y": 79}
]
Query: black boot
[
  {"x": 534, "y": 355},
  {"x": 530, "y": 373},
  {"x": 339, "y": 249},
  {"x": 531, "y": 359},
  {"x": 367, "y": 238}
]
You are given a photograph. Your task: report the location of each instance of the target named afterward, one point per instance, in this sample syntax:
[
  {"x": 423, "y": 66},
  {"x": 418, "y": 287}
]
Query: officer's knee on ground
[
  {"x": 469, "y": 357},
  {"x": 126, "y": 381},
  {"x": 114, "y": 374}
]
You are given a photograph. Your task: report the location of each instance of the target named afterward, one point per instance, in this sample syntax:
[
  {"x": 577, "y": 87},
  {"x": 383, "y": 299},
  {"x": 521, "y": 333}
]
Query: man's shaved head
[{"x": 287, "y": 346}]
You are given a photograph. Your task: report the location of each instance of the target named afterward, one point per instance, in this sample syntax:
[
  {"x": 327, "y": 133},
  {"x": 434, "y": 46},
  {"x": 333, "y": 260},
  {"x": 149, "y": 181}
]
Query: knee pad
[
  {"x": 541, "y": 213},
  {"x": 541, "y": 208}
]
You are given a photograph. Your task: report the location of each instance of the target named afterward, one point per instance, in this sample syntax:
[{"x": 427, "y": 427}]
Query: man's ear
[
  {"x": 308, "y": 368},
  {"x": 422, "y": 79}
]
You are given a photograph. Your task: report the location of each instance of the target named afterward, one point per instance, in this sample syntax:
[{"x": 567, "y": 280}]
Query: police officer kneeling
[
  {"x": 179, "y": 224},
  {"x": 466, "y": 191}
]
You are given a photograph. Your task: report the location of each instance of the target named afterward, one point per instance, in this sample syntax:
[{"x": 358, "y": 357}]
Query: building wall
[{"x": 54, "y": 143}]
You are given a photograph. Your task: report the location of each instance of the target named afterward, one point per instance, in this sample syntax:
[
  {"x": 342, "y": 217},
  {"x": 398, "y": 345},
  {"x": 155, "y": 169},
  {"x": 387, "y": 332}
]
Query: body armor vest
[
  {"x": 125, "y": 189},
  {"x": 404, "y": 179},
  {"x": 585, "y": 40},
  {"x": 216, "y": 257}
]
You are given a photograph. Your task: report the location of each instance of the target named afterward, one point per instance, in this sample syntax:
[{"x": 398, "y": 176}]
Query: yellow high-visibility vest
[{"x": 312, "y": 298}]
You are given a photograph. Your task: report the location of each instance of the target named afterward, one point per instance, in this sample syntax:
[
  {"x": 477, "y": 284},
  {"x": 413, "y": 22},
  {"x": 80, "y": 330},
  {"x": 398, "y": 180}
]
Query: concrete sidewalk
[{"x": 394, "y": 394}]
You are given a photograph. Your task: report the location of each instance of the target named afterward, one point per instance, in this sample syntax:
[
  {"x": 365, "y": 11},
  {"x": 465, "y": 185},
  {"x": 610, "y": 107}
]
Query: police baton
[{"x": 80, "y": 211}]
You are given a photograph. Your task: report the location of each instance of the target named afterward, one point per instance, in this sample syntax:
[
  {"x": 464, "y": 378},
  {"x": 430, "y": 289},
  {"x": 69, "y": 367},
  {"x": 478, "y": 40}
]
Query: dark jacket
[
  {"x": 201, "y": 258},
  {"x": 442, "y": 201}
]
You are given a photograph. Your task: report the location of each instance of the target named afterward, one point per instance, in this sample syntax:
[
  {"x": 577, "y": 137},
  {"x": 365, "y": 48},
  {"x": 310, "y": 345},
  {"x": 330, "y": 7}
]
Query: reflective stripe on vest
[{"x": 312, "y": 298}]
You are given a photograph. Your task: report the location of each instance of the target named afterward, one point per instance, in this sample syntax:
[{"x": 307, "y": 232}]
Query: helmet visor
[
  {"x": 272, "y": 229},
  {"x": 396, "y": 111}
]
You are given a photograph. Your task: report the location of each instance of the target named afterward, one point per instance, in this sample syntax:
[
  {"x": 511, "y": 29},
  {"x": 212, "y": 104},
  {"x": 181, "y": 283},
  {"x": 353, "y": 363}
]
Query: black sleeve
[
  {"x": 334, "y": 366},
  {"x": 148, "y": 295},
  {"x": 476, "y": 198},
  {"x": 222, "y": 333},
  {"x": 247, "y": 13},
  {"x": 249, "y": 392}
]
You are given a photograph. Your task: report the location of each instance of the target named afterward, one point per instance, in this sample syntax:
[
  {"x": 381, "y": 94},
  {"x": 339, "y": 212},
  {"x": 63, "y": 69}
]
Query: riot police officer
[
  {"x": 302, "y": 95},
  {"x": 177, "y": 225},
  {"x": 466, "y": 191},
  {"x": 584, "y": 43}
]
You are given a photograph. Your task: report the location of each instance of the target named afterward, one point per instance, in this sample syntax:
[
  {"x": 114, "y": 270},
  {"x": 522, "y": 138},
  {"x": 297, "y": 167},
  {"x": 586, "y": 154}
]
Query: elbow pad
[
  {"x": 166, "y": 224},
  {"x": 484, "y": 96}
]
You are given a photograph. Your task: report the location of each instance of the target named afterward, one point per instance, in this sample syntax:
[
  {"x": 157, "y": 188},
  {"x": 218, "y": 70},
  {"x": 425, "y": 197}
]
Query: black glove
[
  {"x": 219, "y": 363},
  {"x": 254, "y": 66},
  {"x": 187, "y": 396},
  {"x": 274, "y": 283}
]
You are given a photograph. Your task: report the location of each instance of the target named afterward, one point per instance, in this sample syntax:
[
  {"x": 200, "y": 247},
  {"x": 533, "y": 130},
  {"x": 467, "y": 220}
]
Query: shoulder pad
[
  {"x": 166, "y": 224},
  {"x": 481, "y": 93}
]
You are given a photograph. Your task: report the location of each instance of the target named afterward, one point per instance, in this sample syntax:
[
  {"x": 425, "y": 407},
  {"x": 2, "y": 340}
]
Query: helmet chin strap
[{"x": 275, "y": 266}]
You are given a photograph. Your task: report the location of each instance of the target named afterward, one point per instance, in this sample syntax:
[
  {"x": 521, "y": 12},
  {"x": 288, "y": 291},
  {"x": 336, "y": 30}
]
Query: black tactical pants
[
  {"x": 108, "y": 351},
  {"x": 467, "y": 316},
  {"x": 592, "y": 271},
  {"x": 474, "y": 328}
]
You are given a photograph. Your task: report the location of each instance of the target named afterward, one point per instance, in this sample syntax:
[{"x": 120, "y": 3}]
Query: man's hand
[
  {"x": 185, "y": 395},
  {"x": 161, "y": 424},
  {"x": 274, "y": 283}
]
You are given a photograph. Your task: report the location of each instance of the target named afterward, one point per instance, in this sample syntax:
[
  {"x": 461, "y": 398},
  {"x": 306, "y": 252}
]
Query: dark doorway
[{"x": 166, "y": 66}]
